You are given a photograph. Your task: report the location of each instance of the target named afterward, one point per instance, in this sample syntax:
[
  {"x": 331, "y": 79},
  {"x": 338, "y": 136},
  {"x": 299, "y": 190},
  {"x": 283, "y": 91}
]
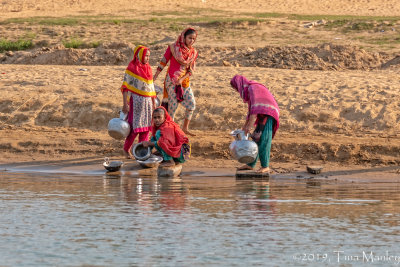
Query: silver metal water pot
[
  {"x": 157, "y": 100},
  {"x": 242, "y": 149},
  {"x": 118, "y": 128},
  {"x": 140, "y": 152}
]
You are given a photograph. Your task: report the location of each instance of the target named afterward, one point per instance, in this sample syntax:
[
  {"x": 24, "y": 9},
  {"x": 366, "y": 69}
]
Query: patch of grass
[
  {"x": 266, "y": 15},
  {"x": 73, "y": 43},
  {"x": 116, "y": 21},
  {"x": 59, "y": 21},
  {"x": 176, "y": 28},
  {"x": 343, "y": 17},
  {"x": 336, "y": 23},
  {"x": 361, "y": 26},
  {"x": 171, "y": 13},
  {"x": 78, "y": 43},
  {"x": 42, "y": 21},
  {"x": 382, "y": 41},
  {"x": 30, "y": 35},
  {"x": 358, "y": 25},
  {"x": 213, "y": 21},
  {"x": 22, "y": 44},
  {"x": 95, "y": 44},
  {"x": 69, "y": 21}
]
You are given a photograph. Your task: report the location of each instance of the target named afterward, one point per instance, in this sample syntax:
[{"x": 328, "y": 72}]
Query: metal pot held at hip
[{"x": 242, "y": 149}]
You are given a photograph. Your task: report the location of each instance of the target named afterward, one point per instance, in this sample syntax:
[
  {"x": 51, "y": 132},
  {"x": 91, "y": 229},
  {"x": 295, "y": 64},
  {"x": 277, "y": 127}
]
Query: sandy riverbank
[
  {"x": 62, "y": 112},
  {"x": 337, "y": 88}
]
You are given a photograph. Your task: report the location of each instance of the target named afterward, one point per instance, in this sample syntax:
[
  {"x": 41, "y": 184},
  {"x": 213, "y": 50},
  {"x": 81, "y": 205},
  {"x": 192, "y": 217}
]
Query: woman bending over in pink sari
[{"x": 263, "y": 112}]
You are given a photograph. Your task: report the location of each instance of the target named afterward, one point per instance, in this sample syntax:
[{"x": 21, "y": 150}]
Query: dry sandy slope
[
  {"x": 321, "y": 57},
  {"x": 49, "y": 111}
]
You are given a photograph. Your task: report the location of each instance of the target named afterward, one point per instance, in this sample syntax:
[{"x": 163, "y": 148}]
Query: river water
[{"x": 99, "y": 220}]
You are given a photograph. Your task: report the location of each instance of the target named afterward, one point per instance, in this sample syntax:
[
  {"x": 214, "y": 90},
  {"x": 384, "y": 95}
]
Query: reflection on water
[{"x": 75, "y": 221}]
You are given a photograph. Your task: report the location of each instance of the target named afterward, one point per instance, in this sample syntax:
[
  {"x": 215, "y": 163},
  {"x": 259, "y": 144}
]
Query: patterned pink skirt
[{"x": 140, "y": 111}]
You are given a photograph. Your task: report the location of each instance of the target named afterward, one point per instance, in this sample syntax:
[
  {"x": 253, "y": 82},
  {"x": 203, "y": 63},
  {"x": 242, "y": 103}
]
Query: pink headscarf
[
  {"x": 258, "y": 97},
  {"x": 184, "y": 55}
]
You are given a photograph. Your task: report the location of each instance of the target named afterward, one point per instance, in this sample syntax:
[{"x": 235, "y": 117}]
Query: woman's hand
[
  {"x": 246, "y": 128},
  {"x": 156, "y": 75},
  {"x": 147, "y": 144},
  {"x": 180, "y": 81}
]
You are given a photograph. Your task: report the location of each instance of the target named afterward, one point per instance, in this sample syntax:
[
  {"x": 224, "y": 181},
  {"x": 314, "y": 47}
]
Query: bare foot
[
  {"x": 244, "y": 167},
  {"x": 188, "y": 133},
  {"x": 168, "y": 163},
  {"x": 264, "y": 170},
  {"x": 128, "y": 155}
]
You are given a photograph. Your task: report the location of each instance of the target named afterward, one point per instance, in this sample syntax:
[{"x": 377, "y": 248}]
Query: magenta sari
[{"x": 259, "y": 99}]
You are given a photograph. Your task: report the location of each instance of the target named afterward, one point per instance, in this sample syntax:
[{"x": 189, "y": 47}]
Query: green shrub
[
  {"x": 73, "y": 43},
  {"x": 6, "y": 45}
]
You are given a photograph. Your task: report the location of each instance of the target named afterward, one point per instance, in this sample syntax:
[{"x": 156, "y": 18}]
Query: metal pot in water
[
  {"x": 118, "y": 128},
  {"x": 242, "y": 149},
  {"x": 140, "y": 152},
  {"x": 151, "y": 162},
  {"x": 112, "y": 166}
]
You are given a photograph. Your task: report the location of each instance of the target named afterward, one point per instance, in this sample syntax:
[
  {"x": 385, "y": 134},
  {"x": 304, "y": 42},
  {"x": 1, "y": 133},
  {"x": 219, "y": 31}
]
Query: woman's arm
[
  {"x": 249, "y": 125},
  {"x": 153, "y": 100},
  {"x": 148, "y": 144},
  {"x": 163, "y": 63},
  {"x": 125, "y": 104}
]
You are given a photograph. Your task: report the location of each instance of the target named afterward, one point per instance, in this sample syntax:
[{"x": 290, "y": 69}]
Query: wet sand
[{"x": 93, "y": 167}]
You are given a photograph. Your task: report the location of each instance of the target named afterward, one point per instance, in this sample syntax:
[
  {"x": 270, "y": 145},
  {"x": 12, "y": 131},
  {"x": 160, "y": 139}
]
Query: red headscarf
[
  {"x": 137, "y": 66},
  {"x": 172, "y": 137},
  {"x": 184, "y": 55}
]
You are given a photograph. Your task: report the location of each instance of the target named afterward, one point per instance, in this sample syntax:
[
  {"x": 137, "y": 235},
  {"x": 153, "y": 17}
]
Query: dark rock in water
[{"x": 314, "y": 169}]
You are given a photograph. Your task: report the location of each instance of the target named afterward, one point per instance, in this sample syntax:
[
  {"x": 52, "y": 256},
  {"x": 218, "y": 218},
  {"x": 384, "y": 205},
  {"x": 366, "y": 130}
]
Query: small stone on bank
[{"x": 314, "y": 169}]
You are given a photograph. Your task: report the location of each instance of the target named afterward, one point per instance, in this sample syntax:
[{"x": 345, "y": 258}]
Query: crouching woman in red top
[{"x": 169, "y": 140}]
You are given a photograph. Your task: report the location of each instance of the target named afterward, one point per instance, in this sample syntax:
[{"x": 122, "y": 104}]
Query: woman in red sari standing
[
  {"x": 138, "y": 97},
  {"x": 182, "y": 58}
]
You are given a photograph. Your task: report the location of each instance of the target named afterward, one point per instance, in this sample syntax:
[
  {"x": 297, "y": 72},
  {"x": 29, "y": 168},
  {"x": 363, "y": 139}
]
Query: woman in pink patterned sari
[{"x": 182, "y": 57}]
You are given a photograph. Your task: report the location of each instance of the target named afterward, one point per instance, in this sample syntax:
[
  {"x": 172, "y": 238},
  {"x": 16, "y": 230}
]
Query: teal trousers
[{"x": 264, "y": 145}]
